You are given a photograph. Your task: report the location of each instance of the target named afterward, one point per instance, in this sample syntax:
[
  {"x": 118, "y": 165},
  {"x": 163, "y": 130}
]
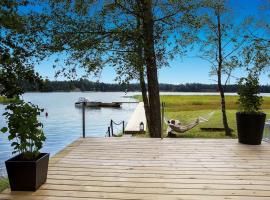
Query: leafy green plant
[
  {"x": 248, "y": 89},
  {"x": 25, "y": 131}
]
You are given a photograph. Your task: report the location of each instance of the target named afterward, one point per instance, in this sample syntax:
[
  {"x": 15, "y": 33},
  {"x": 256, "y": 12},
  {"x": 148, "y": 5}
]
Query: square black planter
[
  {"x": 250, "y": 127},
  {"x": 27, "y": 175}
]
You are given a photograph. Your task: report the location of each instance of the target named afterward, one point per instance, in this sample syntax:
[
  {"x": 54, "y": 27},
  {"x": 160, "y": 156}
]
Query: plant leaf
[{"x": 4, "y": 129}]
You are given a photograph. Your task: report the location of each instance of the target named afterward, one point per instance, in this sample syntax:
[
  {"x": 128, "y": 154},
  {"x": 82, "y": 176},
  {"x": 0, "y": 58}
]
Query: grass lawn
[
  {"x": 188, "y": 108},
  {"x": 3, "y": 184},
  {"x": 5, "y": 100}
]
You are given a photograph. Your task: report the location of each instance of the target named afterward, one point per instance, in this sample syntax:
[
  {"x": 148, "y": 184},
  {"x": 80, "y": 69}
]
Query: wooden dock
[
  {"x": 138, "y": 116},
  {"x": 155, "y": 169}
]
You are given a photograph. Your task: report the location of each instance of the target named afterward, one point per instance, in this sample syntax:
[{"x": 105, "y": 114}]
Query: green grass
[
  {"x": 188, "y": 108},
  {"x": 5, "y": 100},
  {"x": 3, "y": 184}
]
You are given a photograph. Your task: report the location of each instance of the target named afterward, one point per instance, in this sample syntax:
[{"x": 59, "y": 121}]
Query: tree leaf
[{"x": 4, "y": 129}]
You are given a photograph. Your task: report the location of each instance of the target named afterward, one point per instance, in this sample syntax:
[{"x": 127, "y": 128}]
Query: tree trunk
[
  {"x": 228, "y": 131},
  {"x": 145, "y": 97},
  {"x": 140, "y": 68},
  {"x": 151, "y": 69}
]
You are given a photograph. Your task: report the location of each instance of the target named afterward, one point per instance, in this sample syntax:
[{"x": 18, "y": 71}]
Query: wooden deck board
[{"x": 146, "y": 168}]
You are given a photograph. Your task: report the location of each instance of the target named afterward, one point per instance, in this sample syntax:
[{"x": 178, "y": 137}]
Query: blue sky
[{"x": 188, "y": 69}]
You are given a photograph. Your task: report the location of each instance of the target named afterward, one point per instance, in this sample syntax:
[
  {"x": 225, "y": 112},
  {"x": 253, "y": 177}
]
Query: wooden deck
[
  {"x": 154, "y": 169},
  {"x": 138, "y": 116}
]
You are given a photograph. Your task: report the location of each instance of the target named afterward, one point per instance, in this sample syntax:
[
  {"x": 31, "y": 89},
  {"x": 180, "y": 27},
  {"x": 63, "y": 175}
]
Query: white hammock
[
  {"x": 175, "y": 125},
  {"x": 206, "y": 117}
]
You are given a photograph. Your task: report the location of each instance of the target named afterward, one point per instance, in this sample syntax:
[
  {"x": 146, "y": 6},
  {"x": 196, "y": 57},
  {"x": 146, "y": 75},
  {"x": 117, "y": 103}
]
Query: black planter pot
[
  {"x": 250, "y": 127},
  {"x": 27, "y": 175}
]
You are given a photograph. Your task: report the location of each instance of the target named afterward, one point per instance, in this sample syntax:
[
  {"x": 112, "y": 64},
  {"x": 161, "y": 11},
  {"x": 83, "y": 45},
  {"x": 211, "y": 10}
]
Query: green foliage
[
  {"x": 86, "y": 85},
  {"x": 12, "y": 77},
  {"x": 18, "y": 53},
  {"x": 112, "y": 33},
  {"x": 221, "y": 30},
  {"x": 248, "y": 90},
  {"x": 5, "y": 100},
  {"x": 3, "y": 184},
  {"x": 25, "y": 131},
  {"x": 17, "y": 48}
]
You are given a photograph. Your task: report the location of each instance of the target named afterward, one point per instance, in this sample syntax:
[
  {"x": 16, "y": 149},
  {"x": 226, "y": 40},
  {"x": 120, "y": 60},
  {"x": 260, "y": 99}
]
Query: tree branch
[
  {"x": 168, "y": 16},
  {"x": 235, "y": 49},
  {"x": 128, "y": 11}
]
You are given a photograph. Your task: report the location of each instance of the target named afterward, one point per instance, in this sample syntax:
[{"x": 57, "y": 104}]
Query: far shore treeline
[{"x": 86, "y": 85}]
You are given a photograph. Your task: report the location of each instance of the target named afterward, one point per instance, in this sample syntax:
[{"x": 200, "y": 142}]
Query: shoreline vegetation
[
  {"x": 188, "y": 108},
  {"x": 3, "y": 183},
  {"x": 86, "y": 85},
  {"x": 5, "y": 100}
]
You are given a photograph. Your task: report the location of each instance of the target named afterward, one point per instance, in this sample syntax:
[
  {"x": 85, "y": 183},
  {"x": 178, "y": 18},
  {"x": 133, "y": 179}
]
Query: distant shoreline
[
  {"x": 85, "y": 85},
  {"x": 129, "y": 94}
]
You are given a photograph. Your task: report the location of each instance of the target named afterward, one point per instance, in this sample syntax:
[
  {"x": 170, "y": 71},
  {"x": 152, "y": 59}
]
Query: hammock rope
[{"x": 203, "y": 118}]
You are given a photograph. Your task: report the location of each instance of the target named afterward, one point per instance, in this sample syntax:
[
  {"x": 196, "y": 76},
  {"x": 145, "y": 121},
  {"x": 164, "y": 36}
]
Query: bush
[
  {"x": 25, "y": 131},
  {"x": 248, "y": 89}
]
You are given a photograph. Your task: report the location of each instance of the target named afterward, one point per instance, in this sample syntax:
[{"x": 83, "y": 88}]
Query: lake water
[{"x": 64, "y": 122}]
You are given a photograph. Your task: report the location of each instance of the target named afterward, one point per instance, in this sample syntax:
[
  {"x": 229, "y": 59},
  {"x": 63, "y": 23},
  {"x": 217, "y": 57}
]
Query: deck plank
[{"x": 146, "y": 168}]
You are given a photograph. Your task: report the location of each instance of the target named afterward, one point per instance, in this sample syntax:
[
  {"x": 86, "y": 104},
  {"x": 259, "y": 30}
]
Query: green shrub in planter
[
  {"x": 28, "y": 169},
  {"x": 250, "y": 119}
]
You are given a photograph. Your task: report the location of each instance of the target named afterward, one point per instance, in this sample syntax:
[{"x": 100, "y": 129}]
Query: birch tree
[{"x": 221, "y": 41}]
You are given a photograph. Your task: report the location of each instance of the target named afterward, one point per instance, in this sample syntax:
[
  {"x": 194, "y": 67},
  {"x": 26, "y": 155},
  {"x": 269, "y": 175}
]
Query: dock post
[
  {"x": 109, "y": 132},
  {"x": 83, "y": 118},
  {"x": 112, "y": 127},
  {"x": 123, "y": 127},
  {"x": 162, "y": 118}
]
